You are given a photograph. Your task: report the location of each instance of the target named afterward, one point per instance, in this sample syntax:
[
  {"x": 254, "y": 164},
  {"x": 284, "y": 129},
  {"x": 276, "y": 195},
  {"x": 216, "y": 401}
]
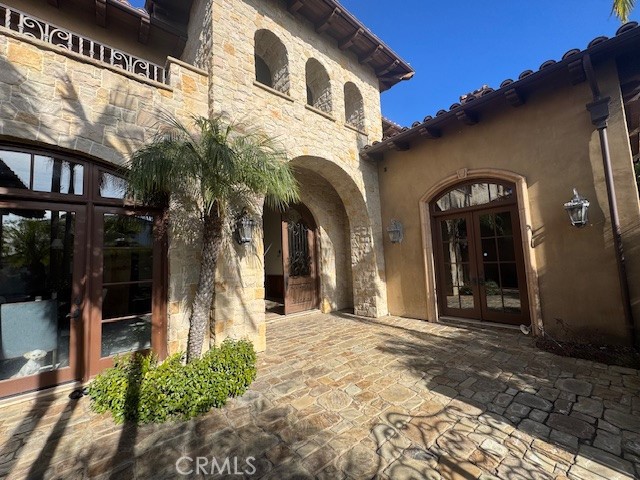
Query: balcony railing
[{"x": 39, "y": 29}]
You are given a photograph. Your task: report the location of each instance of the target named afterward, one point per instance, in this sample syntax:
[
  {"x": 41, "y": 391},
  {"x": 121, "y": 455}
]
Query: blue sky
[{"x": 457, "y": 46}]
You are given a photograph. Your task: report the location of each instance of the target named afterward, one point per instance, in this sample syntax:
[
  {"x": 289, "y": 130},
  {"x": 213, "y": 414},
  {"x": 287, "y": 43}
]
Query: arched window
[
  {"x": 474, "y": 194},
  {"x": 271, "y": 61},
  {"x": 318, "y": 86},
  {"x": 353, "y": 106}
]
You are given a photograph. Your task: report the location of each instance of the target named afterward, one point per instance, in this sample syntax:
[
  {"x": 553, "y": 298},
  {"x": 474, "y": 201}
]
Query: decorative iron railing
[{"x": 39, "y": 29}]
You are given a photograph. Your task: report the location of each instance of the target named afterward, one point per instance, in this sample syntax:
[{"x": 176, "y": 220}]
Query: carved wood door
[{"x": 299, "y": 261}]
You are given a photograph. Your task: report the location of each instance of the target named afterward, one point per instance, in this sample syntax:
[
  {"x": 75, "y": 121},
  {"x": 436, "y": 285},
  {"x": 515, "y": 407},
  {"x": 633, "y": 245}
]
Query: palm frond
[
  {"x": 622, "y": 9},
  {"x": 214, "y": 162}
]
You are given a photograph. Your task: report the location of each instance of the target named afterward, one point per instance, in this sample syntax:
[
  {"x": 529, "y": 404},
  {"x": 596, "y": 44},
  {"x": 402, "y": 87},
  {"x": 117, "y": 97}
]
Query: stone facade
[
  {"x": 63, "y": 100},
  {"x": 322, "y": 140}
]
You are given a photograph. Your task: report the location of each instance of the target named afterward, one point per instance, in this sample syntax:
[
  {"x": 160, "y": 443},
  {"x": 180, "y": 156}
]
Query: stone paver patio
[{"x": 339, "y": 396}]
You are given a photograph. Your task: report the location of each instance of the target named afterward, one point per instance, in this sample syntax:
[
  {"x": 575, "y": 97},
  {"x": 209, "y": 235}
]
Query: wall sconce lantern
[
  {"x": 244, "y": 229},
  {"x": 395, "y": 231},
  {"x": 578, "y": 209}
]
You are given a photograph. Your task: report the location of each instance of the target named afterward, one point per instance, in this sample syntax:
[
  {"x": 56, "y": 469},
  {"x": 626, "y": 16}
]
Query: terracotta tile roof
[{"x": 510, "y": 89}]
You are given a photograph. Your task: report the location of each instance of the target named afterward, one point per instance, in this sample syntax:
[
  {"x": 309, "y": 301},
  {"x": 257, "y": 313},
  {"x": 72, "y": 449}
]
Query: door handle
[{"x": 75, "y": 315}]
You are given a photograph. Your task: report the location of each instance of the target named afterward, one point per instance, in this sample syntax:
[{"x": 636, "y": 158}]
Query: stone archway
[{"x": 358, "y": 263}]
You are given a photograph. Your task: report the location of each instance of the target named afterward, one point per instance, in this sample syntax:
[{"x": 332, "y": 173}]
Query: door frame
[
  {"x": 77, "y": 332},
  {"x": 527, "y": 230},
  {"x": 93, "y": 317},
  {"x": 312, "y": 236},
  {"x": 481, "y": 311},
  {"x": 86, "y": 205}
]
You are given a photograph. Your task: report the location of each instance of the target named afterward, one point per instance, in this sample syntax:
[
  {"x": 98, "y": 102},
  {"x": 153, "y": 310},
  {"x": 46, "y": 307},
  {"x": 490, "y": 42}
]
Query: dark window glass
[{"x": 263, "y": 72}]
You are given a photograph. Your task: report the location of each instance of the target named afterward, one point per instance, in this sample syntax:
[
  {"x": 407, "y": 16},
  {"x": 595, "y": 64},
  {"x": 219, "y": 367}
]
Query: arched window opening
[
  {"x": 263, "y": 72},
  {"x": 271, "y": 61},
  {"x": 353, "y": 106},
  {"x": 473, "y": 194},
  {"x": 318, "y": 86}
]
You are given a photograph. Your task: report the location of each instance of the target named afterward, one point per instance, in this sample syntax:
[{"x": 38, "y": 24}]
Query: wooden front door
[
  {"x": 478, "y": 251},
  {"x": 299, "y": 260}
]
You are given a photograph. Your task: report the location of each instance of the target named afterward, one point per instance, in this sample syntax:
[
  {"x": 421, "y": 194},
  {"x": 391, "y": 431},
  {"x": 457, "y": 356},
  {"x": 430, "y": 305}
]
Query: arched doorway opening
[
  {"x": 477, "y": 246},
  {"x": 291, "y": 260},
  {"x": 82, "y": 271}
]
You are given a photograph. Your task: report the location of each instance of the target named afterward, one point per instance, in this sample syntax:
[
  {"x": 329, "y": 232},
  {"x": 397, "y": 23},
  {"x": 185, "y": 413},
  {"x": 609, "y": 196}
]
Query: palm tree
[
  {"x": 217, "y": 167},
  {"x": 622, "y": 8}
]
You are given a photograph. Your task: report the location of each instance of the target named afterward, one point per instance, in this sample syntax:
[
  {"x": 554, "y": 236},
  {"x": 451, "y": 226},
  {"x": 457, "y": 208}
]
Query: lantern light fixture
[
  {"x": 578, "y": 209},
  {"x": 244, "y": 228},
  {"x": 395, "y": 231}
]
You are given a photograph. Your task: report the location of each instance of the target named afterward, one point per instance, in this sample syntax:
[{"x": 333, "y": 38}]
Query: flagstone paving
[{"x": 341, "y": 397}]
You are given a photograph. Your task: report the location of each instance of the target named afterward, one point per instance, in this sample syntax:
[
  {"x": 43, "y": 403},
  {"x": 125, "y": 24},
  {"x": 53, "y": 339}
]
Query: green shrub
[{"x": 140, "y": 389}]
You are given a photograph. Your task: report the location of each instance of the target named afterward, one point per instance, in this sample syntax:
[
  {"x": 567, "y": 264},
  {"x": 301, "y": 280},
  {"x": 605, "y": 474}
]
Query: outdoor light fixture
[
  {"x": 395, "y": 231},
  {"x": 577, "y": 208},
  {"x": 244, "y": 228}
]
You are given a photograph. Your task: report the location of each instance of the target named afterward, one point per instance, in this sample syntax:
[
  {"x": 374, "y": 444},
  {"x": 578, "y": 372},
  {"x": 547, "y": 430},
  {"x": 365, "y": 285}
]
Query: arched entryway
[
  {"x": 82, "y": 272},
  {"x": 291, "y": 260},
  {"x": 477, "y": 247}
]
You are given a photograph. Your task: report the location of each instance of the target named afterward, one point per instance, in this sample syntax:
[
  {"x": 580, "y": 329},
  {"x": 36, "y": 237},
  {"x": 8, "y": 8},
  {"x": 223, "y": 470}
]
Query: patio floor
[{"x": 338, "y": 396}]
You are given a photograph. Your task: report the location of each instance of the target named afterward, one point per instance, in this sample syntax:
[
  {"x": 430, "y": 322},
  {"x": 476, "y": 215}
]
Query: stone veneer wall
[
  {"x": 56, "y": 98},
  {"x": 318, "y": 141}
]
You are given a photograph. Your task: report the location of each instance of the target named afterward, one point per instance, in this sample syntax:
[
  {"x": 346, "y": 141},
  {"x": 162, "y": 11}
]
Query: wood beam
[
  {"x": 326, "y": 21},
  {"x": 369, "y": 56},
  {"x": 576, "y": 71},
  {"x": 466, "y": 117},
  {"x": 514, "y": 97},
  {"x": 54, "y": 3},
  {"x": 388, "y": 68},
  {"x": 347, "y": 42},
  {"x": 101, "y": 12},
  {"x": 143, "y": 33},
  {"x": 430, "y": 132},
  {"x": 293, "y": 6},
  {"x": 398, "y": 145}
]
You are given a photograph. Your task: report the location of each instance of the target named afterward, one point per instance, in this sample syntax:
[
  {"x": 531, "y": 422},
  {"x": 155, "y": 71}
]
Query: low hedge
[{"x": 140, "y": 389}]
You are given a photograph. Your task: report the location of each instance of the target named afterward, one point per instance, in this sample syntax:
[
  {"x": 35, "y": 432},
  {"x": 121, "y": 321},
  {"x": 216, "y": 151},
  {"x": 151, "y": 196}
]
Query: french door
[
  {"x": 82, "y": 277},
  {"x": 480, "y": 264},
  {"x": 127, "y": 306},
  {"x": 42, "y": 281}
]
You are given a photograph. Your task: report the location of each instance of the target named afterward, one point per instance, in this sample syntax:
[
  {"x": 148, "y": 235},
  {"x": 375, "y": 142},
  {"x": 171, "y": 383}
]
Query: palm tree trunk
[{"x": 211, "y": 244}]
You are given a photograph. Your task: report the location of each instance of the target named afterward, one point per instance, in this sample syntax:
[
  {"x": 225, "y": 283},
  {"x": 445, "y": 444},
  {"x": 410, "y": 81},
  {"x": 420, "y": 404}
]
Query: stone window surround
[{"x": 289, "y": 98}]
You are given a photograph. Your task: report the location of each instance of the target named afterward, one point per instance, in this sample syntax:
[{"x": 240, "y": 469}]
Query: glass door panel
[
  {"x": 38, "y": 296},
  {"x": 457, "y": 268},
  {"x": 500, "y": 282},
  {"x": 127, "y": 283}
]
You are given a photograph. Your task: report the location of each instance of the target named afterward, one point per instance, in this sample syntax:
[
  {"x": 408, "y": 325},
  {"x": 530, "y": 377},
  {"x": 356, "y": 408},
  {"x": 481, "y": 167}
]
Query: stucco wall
[
  {"x": 61, "y": 100},
  {"x": 551, "y": 142}
]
